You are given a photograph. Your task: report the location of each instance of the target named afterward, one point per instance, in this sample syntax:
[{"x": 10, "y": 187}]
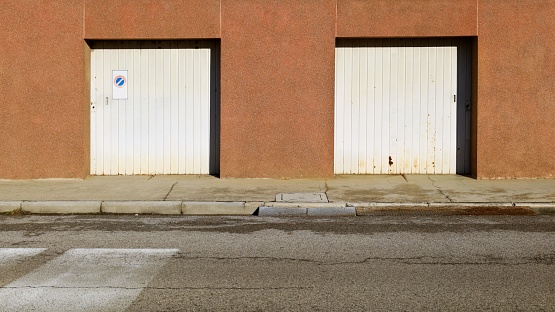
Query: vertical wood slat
[
  {"x": 363, "y": 109},
  {"x": 113, "y": 113},
  {"x": 181, "y": 106},
  {"x": 127, "y": 161},
  {"x": 159, "y": 106},
  {"x": 189, "y": 113},
  {"x": 396, "y": 101},
  {"x": 137, "y": 108},
  {"x": 164, "y": 126},
  {"x": 167, "y": 92},
  {"x": 174, "y": 109},
  {"x": 143, "y": 121}
]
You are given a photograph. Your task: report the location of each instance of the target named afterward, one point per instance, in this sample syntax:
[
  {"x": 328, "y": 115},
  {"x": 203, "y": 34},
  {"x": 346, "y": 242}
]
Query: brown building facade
[{"x": 274, "y": 84}]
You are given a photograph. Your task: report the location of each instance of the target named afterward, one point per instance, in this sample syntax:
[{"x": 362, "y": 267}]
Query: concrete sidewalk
[{"x": 343, "y": 195}]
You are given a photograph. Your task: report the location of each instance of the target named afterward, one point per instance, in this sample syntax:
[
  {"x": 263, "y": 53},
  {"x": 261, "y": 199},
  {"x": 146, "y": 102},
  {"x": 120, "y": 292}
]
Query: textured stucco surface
[
  {"x": 152, "y": 19},
  {"x": 41, "y": 89},
  {"x": 516, "y": 89},
  {"x": 406, "y": 18},
  {"x": 277, "y": 76},
  {"x": 277, "y": 88}
]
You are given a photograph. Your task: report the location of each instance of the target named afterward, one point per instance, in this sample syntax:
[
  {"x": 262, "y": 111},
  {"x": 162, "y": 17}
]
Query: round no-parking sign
[
  {"x": 119, "y": 81},
  {"x": 119, "y": 89}
]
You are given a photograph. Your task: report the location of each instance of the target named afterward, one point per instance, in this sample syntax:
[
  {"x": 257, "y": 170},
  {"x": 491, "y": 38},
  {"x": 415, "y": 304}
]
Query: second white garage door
[
  {"x": 154, "y": 107},
  {"x": 396, "y": 107}
]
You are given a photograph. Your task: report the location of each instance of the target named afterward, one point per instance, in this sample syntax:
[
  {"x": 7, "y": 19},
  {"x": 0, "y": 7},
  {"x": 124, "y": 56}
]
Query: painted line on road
[
  {"x": 11, "y": 255},
  {"x": 86, "y": 280}
]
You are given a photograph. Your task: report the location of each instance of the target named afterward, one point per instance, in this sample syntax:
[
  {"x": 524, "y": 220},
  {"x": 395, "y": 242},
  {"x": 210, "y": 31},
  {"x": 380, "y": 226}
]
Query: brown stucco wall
[
  {"x": 406, "y": 18},
  {"x": 277, "y": 76},
  {"x": 41, "y": 89},
  {"x": 516, "y": 89},
  {"x": 152, "y": 19},
  {"x": 277, "y": 88}
]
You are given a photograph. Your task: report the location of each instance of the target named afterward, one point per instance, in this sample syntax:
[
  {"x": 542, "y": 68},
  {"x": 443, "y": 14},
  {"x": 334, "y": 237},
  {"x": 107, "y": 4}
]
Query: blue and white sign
[{"x": 119, "y": 84}]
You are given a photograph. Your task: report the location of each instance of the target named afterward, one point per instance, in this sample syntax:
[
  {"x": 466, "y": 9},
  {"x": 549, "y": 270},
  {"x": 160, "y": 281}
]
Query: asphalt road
[{"x": 378, "y": 263}]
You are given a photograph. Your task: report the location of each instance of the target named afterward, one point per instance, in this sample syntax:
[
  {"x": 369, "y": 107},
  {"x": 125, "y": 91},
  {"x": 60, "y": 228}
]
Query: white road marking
[
  {"x": 86, "y": 280},
  {"x": 11, "y": 255}
]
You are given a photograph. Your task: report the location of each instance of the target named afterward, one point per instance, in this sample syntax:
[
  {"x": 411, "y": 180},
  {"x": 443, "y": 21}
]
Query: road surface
[{"x": 177, "y": 263}]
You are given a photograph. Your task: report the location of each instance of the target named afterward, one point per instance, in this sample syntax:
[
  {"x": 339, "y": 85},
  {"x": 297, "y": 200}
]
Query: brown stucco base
[
  {"x": 516, "y": 89},
  {"x": 277, "y": 88},
  {"x": 41, "y": 89}
]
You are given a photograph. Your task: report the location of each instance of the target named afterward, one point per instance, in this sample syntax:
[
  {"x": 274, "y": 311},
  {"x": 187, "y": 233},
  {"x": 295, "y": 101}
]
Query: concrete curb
[
  {"x": 460, "y": 208},
  {"x": 326, "y": 211},
  {"x": 276, "y": 208},
  {"x": 10, "y": 206},
  {"x": 539, "y": 208},
  {"x": 376, "y": 205},
  {"x": 332, "y": 212},
  {"x": 61, "y": 207},
  {"x": 281, "y": 211},
  {"x": 142, "y": 207},
  {"x": 304, "y": 205},
  {"x": 219, "y": 208}
]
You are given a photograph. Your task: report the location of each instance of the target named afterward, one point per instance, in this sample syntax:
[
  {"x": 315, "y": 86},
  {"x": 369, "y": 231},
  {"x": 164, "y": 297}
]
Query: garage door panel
[
  {"x": 142, "y": 126},
  {"x": 164, "y": 125},
  {"x": 137, "y": 111},
  {"x": 174, "y": 111},
  {"x": 127, "y": 112},
  {"x": 396, "y": 110},
  {"x": 408, "y": 146},
  {"x": 182, "y": 69}
]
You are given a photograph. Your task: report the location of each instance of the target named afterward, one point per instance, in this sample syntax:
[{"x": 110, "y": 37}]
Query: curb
[
  {"x": 130, "y": 207},
  {"x": 10, "y": 206},
  {"x": 219, "y": 208},
  {"x": 304, "y": 205},
  {"x": 276, "y": 208},
  {"x": 61, "y": 207},
  {"x": 539, "y": 208},
  {"x": 142, "y": 207},
  {"x": 460, "y": 208},
  {"x": 325, "y": 211}
]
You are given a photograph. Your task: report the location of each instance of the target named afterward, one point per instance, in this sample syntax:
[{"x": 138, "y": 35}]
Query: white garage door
[
  {"x": 154, "y": 108},
  {"x": 396, "y": 108}
]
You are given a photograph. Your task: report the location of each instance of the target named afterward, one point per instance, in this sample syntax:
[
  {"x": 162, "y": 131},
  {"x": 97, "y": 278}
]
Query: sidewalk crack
[
  {"x": 171, "y": 189},
  {"x": 440, "y": 190},
  {"x": 326, "y": 190}
]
